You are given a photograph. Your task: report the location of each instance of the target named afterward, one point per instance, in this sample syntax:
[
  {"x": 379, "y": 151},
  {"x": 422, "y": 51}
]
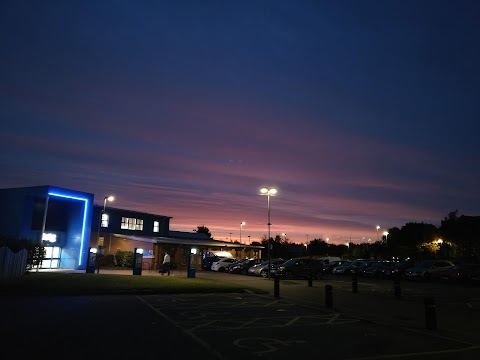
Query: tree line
[{"x": 457, "y": 238}]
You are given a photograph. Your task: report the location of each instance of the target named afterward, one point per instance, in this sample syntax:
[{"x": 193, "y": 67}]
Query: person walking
[{"x": 166, "y": 264}]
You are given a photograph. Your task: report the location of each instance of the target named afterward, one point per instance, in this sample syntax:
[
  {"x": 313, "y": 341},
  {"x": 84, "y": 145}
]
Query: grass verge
[{"x": 103, "y": 284}]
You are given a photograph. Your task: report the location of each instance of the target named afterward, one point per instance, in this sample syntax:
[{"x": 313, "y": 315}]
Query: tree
[{"x": 203, "y": 230}]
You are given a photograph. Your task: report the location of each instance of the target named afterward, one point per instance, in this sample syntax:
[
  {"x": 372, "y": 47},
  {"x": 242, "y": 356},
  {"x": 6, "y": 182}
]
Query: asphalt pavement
[{"x": 293, "y": 319}]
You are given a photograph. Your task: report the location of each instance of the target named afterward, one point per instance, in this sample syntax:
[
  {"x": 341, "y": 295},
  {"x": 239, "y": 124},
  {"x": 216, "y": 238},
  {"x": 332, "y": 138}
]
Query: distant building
[{"x": 67, "y": 223}]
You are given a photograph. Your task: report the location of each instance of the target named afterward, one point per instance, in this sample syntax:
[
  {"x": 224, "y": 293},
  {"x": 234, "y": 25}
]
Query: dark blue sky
[{"x": 360, "y": 113}]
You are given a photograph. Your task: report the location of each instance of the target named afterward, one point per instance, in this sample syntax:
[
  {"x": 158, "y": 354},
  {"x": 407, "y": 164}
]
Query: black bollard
[
  {"x": 309, "y": 280},
  {"x": 328, "y": 296},
  {"x": 354, "y": 283},
  {"x": 430, "y": 313},
  {"x": 276, "y": 286},
  {"x": 396, "y": 288}
]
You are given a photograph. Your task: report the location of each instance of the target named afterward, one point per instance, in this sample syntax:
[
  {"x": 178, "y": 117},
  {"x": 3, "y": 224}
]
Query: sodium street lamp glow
[
  {"x": 268, "y": 192},
  {"x": 378, "y": 228}
]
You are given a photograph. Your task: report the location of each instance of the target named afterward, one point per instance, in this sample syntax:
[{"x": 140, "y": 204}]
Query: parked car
[
  {"x": 351, "y": 267},
  {"x": 299, "y": 268},
  {"x": 328, "y": 268},
  {"x": 376, "y": 269},
  {"x": 262, "y": 269},
  {"x": 343, "y": 268},
  {"x": 241, "y": 267},
  {"x": 209, "y": 260},
  {"x": 461, "y": 272},
  {"x": 397, "y": 269},
  {"x": 423, "y": 270},
  {"x": 221, "y": 264}
]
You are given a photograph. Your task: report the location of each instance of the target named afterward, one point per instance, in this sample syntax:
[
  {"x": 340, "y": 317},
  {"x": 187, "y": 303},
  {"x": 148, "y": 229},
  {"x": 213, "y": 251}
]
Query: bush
[{"x": 123, "y": 259}]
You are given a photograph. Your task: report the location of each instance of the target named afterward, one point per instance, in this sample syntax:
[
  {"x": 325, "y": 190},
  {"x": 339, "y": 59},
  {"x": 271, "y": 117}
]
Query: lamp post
[
  {"x": 378, "y": 228},
  {"x": 241, "y": 224},
  {"x": 284, "y": 237},
  {"x": 385, "y": 233},
  {"x": 109, "y": 198},
  {"x": 268, "y": 192},
  {"x": 249, "y": 240}
]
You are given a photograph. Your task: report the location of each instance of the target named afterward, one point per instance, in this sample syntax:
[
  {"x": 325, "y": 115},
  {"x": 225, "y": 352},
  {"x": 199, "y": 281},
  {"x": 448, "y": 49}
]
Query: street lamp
[
  {"x": 385, "y": 233},
  {"x": 284, "y": 237},
  {"x": 102, "y": 223},
  {"x": 249, "y": 240},
  {"x": 378, "y": 228},
  {"x": 268, "y": 192},
  {"x": 241, "y": 224}
]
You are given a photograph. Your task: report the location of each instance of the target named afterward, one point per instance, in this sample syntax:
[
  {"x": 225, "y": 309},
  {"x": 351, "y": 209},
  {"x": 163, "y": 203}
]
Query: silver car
[
  {"x": 425, "y": 269},
  {"x": 262, "y": 269}
]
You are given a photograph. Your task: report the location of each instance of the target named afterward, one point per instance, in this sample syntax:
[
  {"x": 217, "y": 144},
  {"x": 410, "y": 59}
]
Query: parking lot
[{"x": 369, "y": 324}]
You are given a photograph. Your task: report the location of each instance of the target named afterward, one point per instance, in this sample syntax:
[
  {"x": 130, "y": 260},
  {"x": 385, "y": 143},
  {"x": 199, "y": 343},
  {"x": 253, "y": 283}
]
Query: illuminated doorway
[{"x": 52, "y": 257}]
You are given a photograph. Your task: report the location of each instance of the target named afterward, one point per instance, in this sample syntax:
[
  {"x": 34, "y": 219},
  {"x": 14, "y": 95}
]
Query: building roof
[{"x": 189, "y": 241}]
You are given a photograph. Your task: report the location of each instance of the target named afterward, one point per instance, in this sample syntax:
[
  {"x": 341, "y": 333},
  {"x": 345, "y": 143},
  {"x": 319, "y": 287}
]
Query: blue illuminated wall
[{"x": 66, "y": 213}]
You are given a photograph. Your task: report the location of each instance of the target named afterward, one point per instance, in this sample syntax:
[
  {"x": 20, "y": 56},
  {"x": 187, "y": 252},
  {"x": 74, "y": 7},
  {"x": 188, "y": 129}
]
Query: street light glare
[
  {"x": 110, "y": 198},
  {"x": 267, "y": 191}
]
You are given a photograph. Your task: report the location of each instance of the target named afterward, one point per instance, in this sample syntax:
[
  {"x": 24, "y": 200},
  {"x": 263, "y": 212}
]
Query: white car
[{"x": 222, "y": 264}]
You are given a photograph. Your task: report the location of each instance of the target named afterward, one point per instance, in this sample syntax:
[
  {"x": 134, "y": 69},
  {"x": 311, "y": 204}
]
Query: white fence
[{"x": 12, "y": 264}]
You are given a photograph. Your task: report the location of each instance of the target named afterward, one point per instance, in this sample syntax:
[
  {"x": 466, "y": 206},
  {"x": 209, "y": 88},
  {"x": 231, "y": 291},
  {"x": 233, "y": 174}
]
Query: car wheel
[
  {"x": 318, "y": 275},
  {"x": 288, "y": 275},
  {"x": 264, "y": 274},
  {"x": 221, "y": 269}
]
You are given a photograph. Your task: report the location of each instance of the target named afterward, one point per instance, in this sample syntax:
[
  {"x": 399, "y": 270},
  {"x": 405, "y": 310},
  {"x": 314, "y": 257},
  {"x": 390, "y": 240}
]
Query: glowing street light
[
  {"x": 284, "y": 237},
  {"x": 241, "y": 224},
  {"x": 378, "y": 228},
  {"x": 385, "y": 233},
  {"x": 268, "y": 192},
  {"x": 102, "y": 222}
]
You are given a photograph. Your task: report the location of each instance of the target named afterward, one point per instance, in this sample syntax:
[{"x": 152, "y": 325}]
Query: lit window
[
  {"x": 132, "y": 224},
  {"x": 156, "y": 226},
  {"x": 105, "y": 220}
]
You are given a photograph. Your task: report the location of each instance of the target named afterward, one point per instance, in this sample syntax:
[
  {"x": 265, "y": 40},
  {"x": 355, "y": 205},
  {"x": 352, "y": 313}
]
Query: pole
[
  {"x": 269, "y": 242},
  {"x": 98, "y": 234}
]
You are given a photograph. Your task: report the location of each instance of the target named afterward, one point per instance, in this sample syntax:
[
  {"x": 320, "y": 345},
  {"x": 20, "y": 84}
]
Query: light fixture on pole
[
  {"x": 378, "y": 228},
  {"x": 249, "y": 240},
  {"x": 241, "y": 224},
  {"x": 385, "y": 233},
  {"x": 284, "y": 237},
  {"x": 268, "y": 192},
  {"x": 102, "y": 222}
]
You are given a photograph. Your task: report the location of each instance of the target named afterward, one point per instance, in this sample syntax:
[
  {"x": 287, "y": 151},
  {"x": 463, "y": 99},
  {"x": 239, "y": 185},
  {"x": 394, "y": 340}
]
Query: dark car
[
  {"x": 299, "y": 268},
  {"x": 461, "y": 272},
  {"x": 328, "y": 268},
  {"x": 396, "y": 269},
  {"x": 376, "y": 269},
  {"x": 241, "y": 267},
  {"x": 353, "y": 267}
]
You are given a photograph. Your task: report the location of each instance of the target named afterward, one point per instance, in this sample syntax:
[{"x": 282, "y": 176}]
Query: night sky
[{"x": 360, "y": 113}]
